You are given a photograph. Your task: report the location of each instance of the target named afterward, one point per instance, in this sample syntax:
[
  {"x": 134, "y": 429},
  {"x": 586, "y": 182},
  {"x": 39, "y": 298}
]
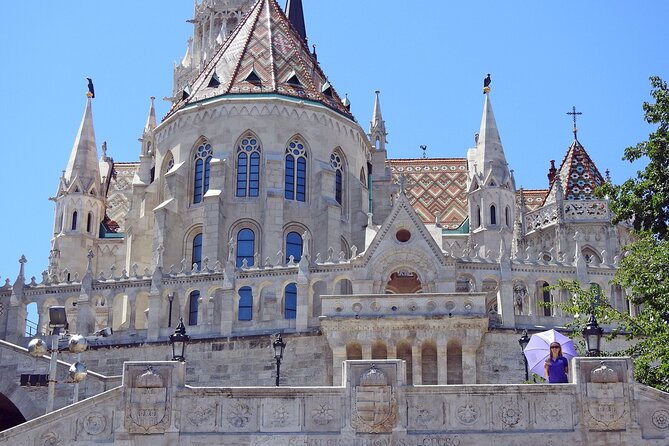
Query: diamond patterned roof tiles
[
  {"x": 264, "y": 43},
  {"x": 578, "y": 174}
]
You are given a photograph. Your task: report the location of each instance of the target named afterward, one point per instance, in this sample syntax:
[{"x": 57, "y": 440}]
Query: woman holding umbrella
[{"x": 556, "y": 366}]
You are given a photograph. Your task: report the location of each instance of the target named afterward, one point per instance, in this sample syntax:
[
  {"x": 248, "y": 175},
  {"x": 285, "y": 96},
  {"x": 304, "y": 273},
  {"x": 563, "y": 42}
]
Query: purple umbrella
[{"x": 538, "y": 349}]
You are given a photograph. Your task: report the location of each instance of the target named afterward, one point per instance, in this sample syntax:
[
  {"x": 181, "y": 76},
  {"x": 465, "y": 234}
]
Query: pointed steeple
[
  {"x": 578, "y": 175},
  {"x": 151, "y": 119},
  {"x": 489, "y": 153},
  {"x": 377, "y": 126},
  {"x": 295, "y": 14},
  {"x": 83, "y": 163}
]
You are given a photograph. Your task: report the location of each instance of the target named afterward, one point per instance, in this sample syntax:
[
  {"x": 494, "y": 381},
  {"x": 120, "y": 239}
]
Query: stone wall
[{"x": 374, "y": 406}]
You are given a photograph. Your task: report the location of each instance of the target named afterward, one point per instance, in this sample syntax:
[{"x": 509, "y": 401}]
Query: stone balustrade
[{"x": 378, "y": 305}]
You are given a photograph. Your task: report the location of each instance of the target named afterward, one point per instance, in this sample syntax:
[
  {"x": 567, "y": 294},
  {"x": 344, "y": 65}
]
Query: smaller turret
[{"x": 377, "y": 126}]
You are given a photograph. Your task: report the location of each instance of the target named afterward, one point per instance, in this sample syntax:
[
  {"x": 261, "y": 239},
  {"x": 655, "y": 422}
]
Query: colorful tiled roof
[
  {"x": 263, "y": 55},
  {"x": 533, "y": 198},
  {"x": 435, "y": 186},
  {"x": 578, "y": 174}
]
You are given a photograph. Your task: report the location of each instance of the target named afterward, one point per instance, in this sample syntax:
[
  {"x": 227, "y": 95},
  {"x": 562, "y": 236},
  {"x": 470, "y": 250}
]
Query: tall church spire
[
  {"x": 377, "y": 127},
  {"x": 83, "y": 163},
  {"x": 151, "y": 119},
  {"x": 489, "y": 153},
  {"x": 295, "y": 14}
]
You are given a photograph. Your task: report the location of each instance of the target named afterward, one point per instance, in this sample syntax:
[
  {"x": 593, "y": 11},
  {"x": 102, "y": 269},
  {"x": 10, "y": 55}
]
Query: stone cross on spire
[{"x": 574, "y": 113}]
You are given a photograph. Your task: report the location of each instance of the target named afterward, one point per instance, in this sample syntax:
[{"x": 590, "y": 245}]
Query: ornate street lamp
[
  {"x": 179, "y": 340},
  {"x": 523, "y": 341},
  {"x": 593, "y": 336},
  {"x": 278, "y": 345}
]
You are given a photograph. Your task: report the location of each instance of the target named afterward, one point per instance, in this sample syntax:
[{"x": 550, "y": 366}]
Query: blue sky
[{"x": 427, "y": 57}]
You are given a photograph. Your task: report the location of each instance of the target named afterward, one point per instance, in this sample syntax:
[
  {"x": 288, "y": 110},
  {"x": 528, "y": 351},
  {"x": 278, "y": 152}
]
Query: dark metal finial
[{"x": 573, "y": 113}]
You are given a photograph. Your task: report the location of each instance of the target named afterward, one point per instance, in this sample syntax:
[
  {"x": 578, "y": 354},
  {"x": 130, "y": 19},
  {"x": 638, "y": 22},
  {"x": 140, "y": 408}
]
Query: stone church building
[{"x": 259, "y": 205}]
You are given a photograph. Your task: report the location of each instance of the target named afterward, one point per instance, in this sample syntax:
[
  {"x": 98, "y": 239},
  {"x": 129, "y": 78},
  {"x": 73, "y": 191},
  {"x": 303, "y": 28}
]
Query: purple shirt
[{"x": 557, "y": 370}]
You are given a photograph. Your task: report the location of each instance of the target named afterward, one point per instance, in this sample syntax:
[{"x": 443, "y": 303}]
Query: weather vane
[
  {"x": 573, "y": 113},
  {"x": 424, "y": 148}
]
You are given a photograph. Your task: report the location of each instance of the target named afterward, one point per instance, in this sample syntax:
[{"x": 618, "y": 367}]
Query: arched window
[
  {"x": 248, "y": 166},
  {"x": 493, "y": 215},
  {"x": 335, "y": 162},
  {"x": 453, "y": 362},
  {"x": 507, "y": 216},
  {"x": 379, "y": 350},
  {"x": 290, "y": 301},
  {"x": 74, "y": 221},
  {"x": 245, "y": 247},
  {"x": 293, "y": 246},
  {"x": 478, "y": 217},
  {"x": 245, "y": 304},
  {"x": 353, "y": 351},
  {"x": 202, "y": 158},
  {"x": 429, "y": 364},
  {"x": 547, "y": 299},
  {"x": 89, "y": 223},
  {"x": 196, "y": 258},
  {"x": 296, "y": 171},
  {"x": 193, "y": 302}
]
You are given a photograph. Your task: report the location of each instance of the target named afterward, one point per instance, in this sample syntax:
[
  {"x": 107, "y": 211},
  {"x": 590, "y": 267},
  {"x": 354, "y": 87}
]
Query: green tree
[{"x": 644, "y": 200}]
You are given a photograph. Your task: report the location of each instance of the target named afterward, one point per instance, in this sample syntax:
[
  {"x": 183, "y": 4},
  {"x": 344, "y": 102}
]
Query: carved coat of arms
[
  {"x": 374, "y": 404},
  {"x": 147, "y": 410}
]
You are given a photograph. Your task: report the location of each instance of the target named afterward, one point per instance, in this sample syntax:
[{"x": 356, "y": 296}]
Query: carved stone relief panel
[
  {"x": 425, "y": 413},
  {"x": 95, "y": 425},
  {"x": 510, "y": 413},
  {"x": 240, "y": 415},
  {"x": 199, "y": 415},
  {"x": 468, "y": 412},
  {"x": 323, "y": 414},
  {"x": 148, "y": 406},
  {"x": 280, "y": 415}
]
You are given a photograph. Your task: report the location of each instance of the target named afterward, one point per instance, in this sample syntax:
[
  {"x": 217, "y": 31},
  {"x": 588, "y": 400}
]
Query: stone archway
[
  {"x": 10, "y": 415},
  {"x": 403, "y": 282}
]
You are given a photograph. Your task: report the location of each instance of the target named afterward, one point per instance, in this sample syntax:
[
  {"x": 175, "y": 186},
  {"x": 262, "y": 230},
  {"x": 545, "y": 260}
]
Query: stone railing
[
  {"x": 376, "y": 305},
  {"x": 541, "y": 217},
  {"x": 587, "y": 210},
  {"x": 372, "y": 406}
]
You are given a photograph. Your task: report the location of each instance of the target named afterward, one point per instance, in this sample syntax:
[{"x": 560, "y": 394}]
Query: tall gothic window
[
  {"x": 89, "y": 223},
  {"x": 290, "y": 301},
  {"x": 547, "y": 299},
  {"x": 74, "y": 220},
  {"x": 245, "y": 311},
  {"x": 337, "y": 165},
  {"x": 196, "y": 258},
  {"x": 248, "y": 166},
  {"x": 293, "y": 246},
  {"x": 296, "y": 171},
  {"x": 192, "y": 307},
  {"x": 493, "y": 215},
  {"x": 202, "y": 158},
  {"x": 507, "y": 216},
  {"x": 245, "y": 247}
]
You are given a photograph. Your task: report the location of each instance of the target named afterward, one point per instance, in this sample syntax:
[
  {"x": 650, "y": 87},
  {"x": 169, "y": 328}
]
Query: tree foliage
[
  {"x": 645, "y": 199},
  {"x": 644, "y": 273}
]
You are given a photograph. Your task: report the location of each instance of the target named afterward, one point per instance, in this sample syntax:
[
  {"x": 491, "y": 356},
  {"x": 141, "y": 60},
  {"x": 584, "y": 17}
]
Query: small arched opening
[
  {"x": 10, "y": 415},
  {"x": 404, "y": 282}
]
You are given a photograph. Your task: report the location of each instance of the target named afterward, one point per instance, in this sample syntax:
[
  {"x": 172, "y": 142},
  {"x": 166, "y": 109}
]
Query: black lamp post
[
  {"x": 278, "y": 345},
  {"x": 593, "y": 336},
  {"x": 523, "y": 341},
  {"x": 179, "y": 340}
]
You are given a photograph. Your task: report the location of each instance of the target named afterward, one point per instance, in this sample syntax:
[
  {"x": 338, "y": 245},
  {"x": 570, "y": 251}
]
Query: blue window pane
[
  {"x": 254, "y": 175},
  {"x": 290, "y": 177},
  {"x": 338, "y": 186},
  {"x": 197, "y": 251},
  {"x": 245, "y": 247},
  {"x": 206, "y": 174},
  {"x": 290, "y": 301},
  {"x": 197, "y": 185},
  {"x": 245, "y": 312},
  {"x": 241, "y": 175},
  {"x": 192, "y": 307},
  {"x": 301, "y": 179},
  {"x": 293, "y": 246}
]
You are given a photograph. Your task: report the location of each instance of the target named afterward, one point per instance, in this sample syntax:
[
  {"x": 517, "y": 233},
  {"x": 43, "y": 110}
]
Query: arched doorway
[
  {"x": 403, "y": 282},
  {"x": 10, "y": 415}
]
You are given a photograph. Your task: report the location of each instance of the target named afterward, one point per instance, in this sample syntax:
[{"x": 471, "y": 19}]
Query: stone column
[
  {"x": 442, "y": 364},
  {"x": 227, "y": 298},
  {"x": 338, "y": 358},
  {"x": 468, "y": 365},
  {"x": 417, "y": 363},
  {"x": 153, "y": 325}
]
